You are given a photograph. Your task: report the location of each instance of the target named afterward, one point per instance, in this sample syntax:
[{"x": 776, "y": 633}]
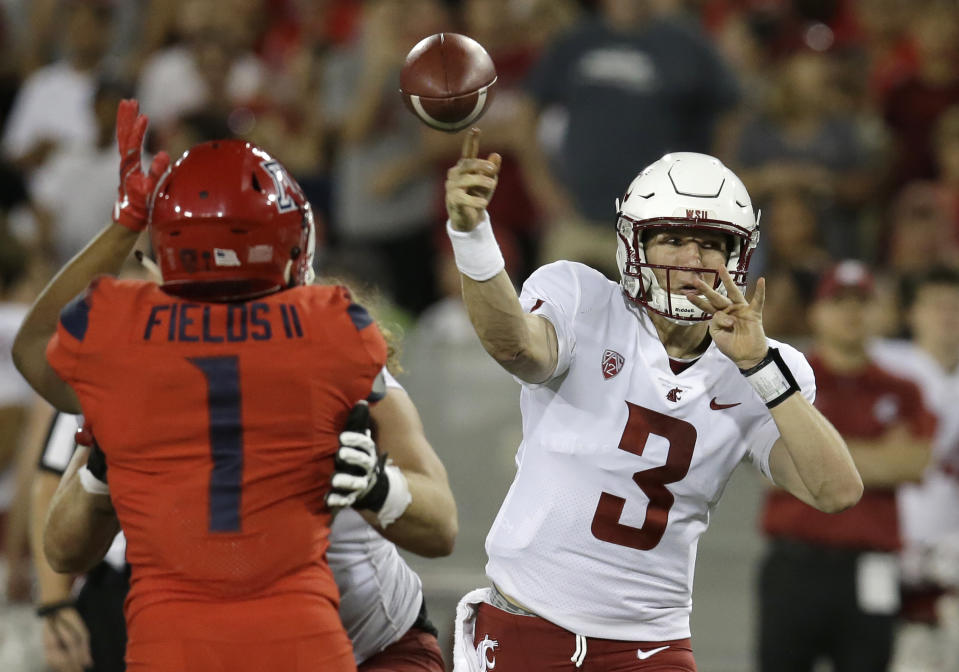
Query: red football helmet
[{"x": 229, "y": 223}]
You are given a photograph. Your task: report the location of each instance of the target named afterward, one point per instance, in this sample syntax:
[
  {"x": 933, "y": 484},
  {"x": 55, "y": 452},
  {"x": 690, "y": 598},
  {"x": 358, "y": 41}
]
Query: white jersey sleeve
[
  {"x": 762, "y": 440},
  {"x": 61, "y": 442},
  {"x": 562, "y": 293}
]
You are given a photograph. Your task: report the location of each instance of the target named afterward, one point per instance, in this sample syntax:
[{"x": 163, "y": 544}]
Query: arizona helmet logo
[{"x": 612, "y": 363}]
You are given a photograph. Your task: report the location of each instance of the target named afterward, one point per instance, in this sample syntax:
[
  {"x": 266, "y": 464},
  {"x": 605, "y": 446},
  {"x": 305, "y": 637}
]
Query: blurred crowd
[{"x": 841, "y": 116}]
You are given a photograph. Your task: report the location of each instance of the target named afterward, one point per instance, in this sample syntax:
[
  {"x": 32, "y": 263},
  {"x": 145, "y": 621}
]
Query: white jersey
[
  {"x": 929, "y": 510},
  {"x": 14, "y": 390},
  {"x": 620, "y": 465},
  {"x": 380, "y": 595}
]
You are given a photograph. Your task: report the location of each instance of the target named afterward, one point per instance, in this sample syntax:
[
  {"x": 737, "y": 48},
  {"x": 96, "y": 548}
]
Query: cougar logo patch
[
  {"x": 612, "y": 363},
  {"x": 483, "y": 651}
]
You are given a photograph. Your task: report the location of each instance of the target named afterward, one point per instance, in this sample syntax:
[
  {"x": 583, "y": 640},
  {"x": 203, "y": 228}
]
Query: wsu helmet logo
[{"x": 612, "y": 363}]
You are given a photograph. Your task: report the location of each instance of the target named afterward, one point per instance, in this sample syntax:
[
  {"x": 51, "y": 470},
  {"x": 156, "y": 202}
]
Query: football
[{"x": 448, "y": 81}]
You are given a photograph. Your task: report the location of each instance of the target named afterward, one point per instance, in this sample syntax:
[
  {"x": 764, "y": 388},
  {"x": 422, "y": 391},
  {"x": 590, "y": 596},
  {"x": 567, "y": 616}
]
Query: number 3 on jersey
[{"x": 682, "y": 439}]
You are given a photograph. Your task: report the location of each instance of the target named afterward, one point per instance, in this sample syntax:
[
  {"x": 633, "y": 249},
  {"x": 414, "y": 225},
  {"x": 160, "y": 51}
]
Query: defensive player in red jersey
[{"x": 217, "y": 398}]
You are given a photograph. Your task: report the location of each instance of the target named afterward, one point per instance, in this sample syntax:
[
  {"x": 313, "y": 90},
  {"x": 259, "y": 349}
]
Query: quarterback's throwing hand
[
  {"x": 737, "y": 324},
  {"x": 470, "y": 184},
  {"x": 136, "y": 187},
  {"x": 358, "y": 468}
]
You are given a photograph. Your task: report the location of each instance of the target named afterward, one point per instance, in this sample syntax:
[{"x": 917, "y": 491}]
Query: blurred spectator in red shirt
[
  {"x": 829, "y": 583},
  {"x": 913, "y": 107}
]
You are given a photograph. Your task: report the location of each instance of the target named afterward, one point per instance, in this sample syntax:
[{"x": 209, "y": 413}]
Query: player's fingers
[
  {"x": 715, "y": 299},
  {"x": 732, "y": 289},
  {"x": 461, "y": 199},
  {"x": 126, "y": 113},
  {"x": 702, "y": 303},
  {"x": 138, "y": 131},
  {"x": 159, "y": 165},
  {"x": 340, "y": 499},
  {"x": 349, "y": 482},
  {"x": 496, "y": 160},
  {"x": 759, "y": 296},
  {"x": 357, "y": 457},
  {"x": 471, "y": 143}
]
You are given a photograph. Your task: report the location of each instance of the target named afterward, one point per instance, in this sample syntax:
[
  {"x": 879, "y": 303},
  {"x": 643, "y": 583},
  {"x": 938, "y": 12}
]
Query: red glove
[{"x": 136, "y": 187}]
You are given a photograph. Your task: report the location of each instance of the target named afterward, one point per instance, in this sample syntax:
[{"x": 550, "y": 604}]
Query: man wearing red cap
[{"x": 828, "y": 584}]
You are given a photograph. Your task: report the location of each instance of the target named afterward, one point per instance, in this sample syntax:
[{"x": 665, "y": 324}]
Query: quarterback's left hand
[
  {"x": 737, "y": 324},
  {"x": 358, "y": 479}
]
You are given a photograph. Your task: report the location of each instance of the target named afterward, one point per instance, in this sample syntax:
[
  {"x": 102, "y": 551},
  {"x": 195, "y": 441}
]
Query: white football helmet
[{"x": 689, "y": 190}]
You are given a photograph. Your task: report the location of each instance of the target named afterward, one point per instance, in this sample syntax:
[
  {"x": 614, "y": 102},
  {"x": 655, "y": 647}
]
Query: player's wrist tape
[
  {"x": 91, "y": 483},
  {"x": 398, "y": 497},
  {"x": 772, "y": 379},
  {"x": 476, "y": 252},
  {"x": 390, "y": 495},
  {"x": 51, "y": 608}
]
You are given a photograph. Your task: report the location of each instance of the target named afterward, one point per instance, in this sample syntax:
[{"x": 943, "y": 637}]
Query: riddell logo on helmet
[{"x": 697, "y": 214}]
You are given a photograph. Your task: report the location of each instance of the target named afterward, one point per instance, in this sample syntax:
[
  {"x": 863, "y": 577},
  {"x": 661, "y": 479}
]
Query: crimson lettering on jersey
[{"x": 219, "y": 323}]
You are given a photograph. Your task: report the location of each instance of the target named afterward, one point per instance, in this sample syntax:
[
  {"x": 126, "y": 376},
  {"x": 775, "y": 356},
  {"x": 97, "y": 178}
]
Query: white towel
[{"x": 464, "y": 651}]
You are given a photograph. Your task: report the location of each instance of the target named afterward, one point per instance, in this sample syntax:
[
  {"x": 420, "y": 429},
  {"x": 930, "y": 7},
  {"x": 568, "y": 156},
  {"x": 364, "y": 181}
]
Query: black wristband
[
  {"x": 772, "y": 379},
  {"x": 97, "y": 463},
  {"x": 51, "y": 608},
  {"x": 376, "y": 497}
]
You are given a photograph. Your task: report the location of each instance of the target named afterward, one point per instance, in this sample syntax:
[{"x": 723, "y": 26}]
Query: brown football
[{"x": 448, "y": 81}]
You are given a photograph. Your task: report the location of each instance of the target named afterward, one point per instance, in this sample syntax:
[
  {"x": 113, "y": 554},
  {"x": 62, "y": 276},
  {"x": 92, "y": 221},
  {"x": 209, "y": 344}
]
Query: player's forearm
[
  {"x": 51, "y": 585},
  {"x": 819, "y": 454},
  {"x": 429, "y": 525},
  {"x": 519, "y": 342},
  {"x": 80, "y": 526},
  {"x": 885, "y": 465},
  {"x": 104, "y": 254}
]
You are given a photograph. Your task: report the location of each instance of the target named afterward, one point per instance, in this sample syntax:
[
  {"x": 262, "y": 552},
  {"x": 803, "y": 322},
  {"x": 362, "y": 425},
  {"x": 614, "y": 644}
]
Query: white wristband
[
  {"x": 91, "y": 483},
  {"x": 476, "y": 252},
  {"x": 398, "y": 497}
]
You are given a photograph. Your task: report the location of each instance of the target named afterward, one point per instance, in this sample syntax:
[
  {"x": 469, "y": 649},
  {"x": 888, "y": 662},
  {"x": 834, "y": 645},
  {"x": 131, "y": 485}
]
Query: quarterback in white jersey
[{"x": 639, "y": 399}]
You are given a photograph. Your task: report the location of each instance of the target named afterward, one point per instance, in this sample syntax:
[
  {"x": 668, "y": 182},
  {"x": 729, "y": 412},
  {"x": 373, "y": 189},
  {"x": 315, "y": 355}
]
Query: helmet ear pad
[{"x": 682, "y": 190}]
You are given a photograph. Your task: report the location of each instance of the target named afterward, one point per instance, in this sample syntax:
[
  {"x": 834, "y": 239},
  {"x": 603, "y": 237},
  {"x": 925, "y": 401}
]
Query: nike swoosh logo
[
  {"x": 718, "y": 407},
  {"x": 643, "y": 655}
]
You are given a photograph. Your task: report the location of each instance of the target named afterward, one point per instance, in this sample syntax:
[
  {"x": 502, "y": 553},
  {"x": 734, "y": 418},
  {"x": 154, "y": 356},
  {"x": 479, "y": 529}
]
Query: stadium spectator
[
  {"x": 912, "y": 108},
  {"x": 383, "y": 184},
  {"x": 927, "y": 637},
  {"x": 79, "y": 181},
  {"x": 575, "y": 568},
  {"x": 800, "y": 142},
  {"x": 54, "y": 106},
  {"x": 828, "y": 585},
  {"x": 631, "y": 84},
  {"x": 221, "y": 454},
  {"x": 211, "y": 66}
]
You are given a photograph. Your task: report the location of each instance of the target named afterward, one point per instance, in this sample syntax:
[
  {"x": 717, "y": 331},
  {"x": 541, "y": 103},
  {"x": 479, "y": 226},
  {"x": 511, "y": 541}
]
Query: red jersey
[
  {"x": 220, "y": 423},
  {"x": 861, "y": 406}
]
